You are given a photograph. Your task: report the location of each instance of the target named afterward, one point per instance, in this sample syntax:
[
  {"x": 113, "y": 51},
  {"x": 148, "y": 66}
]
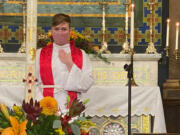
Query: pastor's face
[{"x": 61, "y": 33}]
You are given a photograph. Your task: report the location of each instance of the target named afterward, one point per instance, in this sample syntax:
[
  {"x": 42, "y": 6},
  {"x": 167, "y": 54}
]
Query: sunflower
[{"x": 49, "y": 105}]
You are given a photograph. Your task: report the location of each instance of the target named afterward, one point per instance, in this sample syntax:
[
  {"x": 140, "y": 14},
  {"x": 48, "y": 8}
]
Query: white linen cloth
[
  {"x": 113, "y": 100},
  {"x": 106, "y": 100},
  {"x": 76, "y": 80}
]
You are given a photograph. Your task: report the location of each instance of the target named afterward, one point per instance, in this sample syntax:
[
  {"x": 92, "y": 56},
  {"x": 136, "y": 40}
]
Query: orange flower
[
  {"x": 73, "y": 35},
  {"x": 16, "y": 129},
  {"x": 96, "y": 48},
  {"x": 49, "y": 105}
]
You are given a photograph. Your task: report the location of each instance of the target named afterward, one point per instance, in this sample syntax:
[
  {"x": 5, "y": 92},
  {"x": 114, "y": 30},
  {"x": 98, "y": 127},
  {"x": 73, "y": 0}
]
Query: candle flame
[
  {"x": 168, "y": 20},
  {"x": 132, "y": 5},
  {"x": 177, "y": 24}
]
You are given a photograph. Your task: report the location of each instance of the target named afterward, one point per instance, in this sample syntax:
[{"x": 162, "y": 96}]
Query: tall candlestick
[
  {"x": 132, "y": 27},
  {"x": 104, "y": 48},
  {"x": 151, "y": 49},
  {"x": 167, "y": 33},
  {"x": 177, "y": 35}
]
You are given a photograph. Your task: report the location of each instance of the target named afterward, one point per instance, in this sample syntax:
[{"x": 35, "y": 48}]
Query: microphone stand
[{"x": 129, "y": 69}]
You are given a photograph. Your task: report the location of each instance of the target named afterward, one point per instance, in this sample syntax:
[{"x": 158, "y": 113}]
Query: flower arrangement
[
  {"x": 43, "y": 118},
  {"x": 81, "y": 41}
]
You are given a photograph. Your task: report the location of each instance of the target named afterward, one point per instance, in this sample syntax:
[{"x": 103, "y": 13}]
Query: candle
[
  {"x": 132, "y": 27},
  {"x": 126, "y": 20},
  {"x": 177, "y": 35},
  {"x": 103, "y": 19},
  {"x": 167, "y": 33},
  {"x": 103, "y": 23}
]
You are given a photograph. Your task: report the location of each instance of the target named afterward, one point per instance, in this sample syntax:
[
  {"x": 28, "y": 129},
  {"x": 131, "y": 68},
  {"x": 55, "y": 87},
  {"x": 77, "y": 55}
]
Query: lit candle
[
  {"x": 167, "y": 33},
  {"x": 177, "y": 35},
  {"x": 132, "y": 27}
]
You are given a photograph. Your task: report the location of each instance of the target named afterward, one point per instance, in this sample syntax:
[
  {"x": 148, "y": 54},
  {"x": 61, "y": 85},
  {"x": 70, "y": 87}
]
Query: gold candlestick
[
  {"x": 104, "y": 45},
  {"x": 177, "y": 54},
  {"x": 151, "y": 49},
  {"x": 125, "y": 46},
  {"x": 22, "y": 49},
  {"x": 1, "y": 49},
  {"x": 167, "y": 50}
]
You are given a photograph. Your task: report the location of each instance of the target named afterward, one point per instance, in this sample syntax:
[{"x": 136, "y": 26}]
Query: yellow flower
[
  {"x": 17, "y": 110},
  {"x": 60, "y": 131},
  {"x": 49, "y": 34},
  {"x": 16, "y": 129},
  {"x": 80, "y": 36},
  {"x": 5, "y": 111},
  {"x": 49, "y": 105},
  {"x": 86, "y": 124}
]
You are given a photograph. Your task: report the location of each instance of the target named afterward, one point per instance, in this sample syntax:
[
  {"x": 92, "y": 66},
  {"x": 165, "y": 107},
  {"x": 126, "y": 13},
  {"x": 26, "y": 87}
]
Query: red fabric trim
[
  {"x": 77, "y": 58},
  {"x": 46, "y": 70}
]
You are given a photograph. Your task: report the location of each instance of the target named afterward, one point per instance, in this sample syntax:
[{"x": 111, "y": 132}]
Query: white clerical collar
[{"x": 61, "y": 46}]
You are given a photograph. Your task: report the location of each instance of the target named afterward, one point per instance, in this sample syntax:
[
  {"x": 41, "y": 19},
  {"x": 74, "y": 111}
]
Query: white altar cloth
[
  {"x": 112, "y": 100},
  {"x": 106, "y": 101}
]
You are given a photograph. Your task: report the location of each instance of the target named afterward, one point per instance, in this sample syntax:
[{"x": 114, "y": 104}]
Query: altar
[{"x": 108, "y": 96}]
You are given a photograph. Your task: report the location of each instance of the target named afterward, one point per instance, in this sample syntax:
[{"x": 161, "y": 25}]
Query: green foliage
[
  {"x": 44, "y": 125},
  {"x": 4, "y": 123}
]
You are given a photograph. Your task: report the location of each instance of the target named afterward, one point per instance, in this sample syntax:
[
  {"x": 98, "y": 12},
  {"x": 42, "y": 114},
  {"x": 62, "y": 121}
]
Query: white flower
[{"x": 73, "y": 119}]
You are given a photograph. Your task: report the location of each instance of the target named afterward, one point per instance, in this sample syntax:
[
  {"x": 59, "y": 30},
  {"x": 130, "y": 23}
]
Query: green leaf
[
  {"x": 56, "y": 124},
  {"x": 68, "y": 100},
  {"x": 29, "y": 133},
  {"x": 82, "y": 118},
  {"x": 75, "y": 129},
  {"x": 86, "y": 101}
]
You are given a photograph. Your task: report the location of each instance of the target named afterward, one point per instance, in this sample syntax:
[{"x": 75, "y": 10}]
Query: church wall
[{"x": 86, "y": 19}]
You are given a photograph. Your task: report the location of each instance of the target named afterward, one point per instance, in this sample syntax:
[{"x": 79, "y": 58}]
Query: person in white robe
[{"x": 66, "y": 74}]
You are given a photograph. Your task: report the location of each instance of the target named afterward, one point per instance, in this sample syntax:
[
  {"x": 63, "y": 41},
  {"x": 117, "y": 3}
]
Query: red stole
[{"x": 46, "y": 68}]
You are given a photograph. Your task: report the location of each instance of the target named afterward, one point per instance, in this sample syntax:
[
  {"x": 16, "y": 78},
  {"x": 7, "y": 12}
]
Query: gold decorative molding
[
  {"x": 109, "y": 121},
  {"x": 32, "y": 53},
  {"x": 72, "y": 15},
  {"x": 1, "y": 49},
  {"x": 146, "y": 123},
  {"x": 118, "y": 2},
  {"x": 66, "y": 2},
  {"x": 141, "y": 123}
]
